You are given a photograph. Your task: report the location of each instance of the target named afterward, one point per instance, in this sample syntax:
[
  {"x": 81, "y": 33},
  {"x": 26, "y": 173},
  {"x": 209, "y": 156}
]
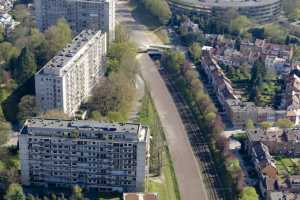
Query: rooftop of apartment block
[
  {"x": 87, "y": 125},
  {"x": 67, "y": 53}
]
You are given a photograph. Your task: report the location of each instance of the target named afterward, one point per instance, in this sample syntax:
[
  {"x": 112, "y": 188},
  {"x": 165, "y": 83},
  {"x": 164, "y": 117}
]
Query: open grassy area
[
  {"x": 162, "y": 35},
  {"x": 165, "y": 185},
  {"x": 287, "y": 166},
  {"x": 164, "y": 182}
]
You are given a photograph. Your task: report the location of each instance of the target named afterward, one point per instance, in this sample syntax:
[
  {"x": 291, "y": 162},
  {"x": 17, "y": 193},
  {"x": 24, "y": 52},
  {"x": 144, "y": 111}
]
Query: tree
[
  {"x": 31, "y": 197},
  {"x": 240, "y": 24},
  {"x": 77, "y": 193},
  {"x": 95, "y": 115},
  {"x": 36, "y": 39},
  {"x": 122, "y": 34},
  {"x": 275, "y": 33},
  {"x": 25, "y": 66},
  {"x": 237, "y": 44},
  {"x": 173, "y": 61},
  {"x": 27, "y": 108},
  {"x": 250, "y": 124},
  {"x": 195, "y": 51},
  {"x": 248, "y": 193},
  {"x": 14, "y": 192},
  {"x": 7, "y": 52},
  {"x": 113, "y": 94},
  {"x": 57, "y": 37},
  {"x": 5, "y": 132},
  {"x": 284, "y": 123},
  {"x": 159, "y": 9},
  {"x": 265, "y": 125},
  {"x": 296, "y": 14},
  {"x": 2, "y": 33},
  {"x": 258, "y": 75}
]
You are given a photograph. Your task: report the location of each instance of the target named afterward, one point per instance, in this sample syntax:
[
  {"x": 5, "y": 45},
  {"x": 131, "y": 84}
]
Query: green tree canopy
[
  {"x": 57, "y": 37},
  {"x": 173, "y": 61},
  {"x": 275, "y": 33},
  {"x": 25, "y": 66},
  {"x": 250, "y": 124},
  {"x": 14, "y": 192},
  {"x": 77, "y": 193},
  {"x": 5, "y": 131},
  {"x": 265, "y": 125},
  {"x": 27, "y": 108},
  {"x": 240, "y": 24},
  {"x": 284, "y": 123},
  {"x": 159, "y": 9},
  {"x": 7, "y": 51},
  {"x": 248, "y": 193},
  {"x": 195, "y": 51}
]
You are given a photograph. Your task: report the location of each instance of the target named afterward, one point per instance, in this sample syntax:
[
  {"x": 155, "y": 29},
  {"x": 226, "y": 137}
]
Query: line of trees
[
  {"x": 112, "y": 97},
  {"x": 16, "y": 192},
  {"x": 187, "y": 81}
]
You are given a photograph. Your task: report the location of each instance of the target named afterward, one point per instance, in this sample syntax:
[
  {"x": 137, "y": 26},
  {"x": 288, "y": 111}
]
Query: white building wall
[{"x": 66, "y": 88}]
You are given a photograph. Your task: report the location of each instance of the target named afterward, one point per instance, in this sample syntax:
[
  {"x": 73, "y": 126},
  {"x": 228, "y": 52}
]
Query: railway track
[{"x": 198, "y": 141}]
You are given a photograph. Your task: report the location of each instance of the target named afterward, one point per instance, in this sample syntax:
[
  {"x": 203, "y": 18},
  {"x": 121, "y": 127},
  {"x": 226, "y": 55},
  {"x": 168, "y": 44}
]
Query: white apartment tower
[
  {"x": 103, "y": 156},
  {"x": 80, "y": 14},
  {"x": 68, "y": 78}
]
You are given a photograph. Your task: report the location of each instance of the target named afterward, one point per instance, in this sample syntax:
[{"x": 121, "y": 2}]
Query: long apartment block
[
  {"x": 93, "y": 155},
  {"x": 80, "y": 14},
  {"x": 68, "y": 78}
]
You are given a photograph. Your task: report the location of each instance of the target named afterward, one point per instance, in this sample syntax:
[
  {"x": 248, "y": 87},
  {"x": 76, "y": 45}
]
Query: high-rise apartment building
[
  {"x": 68, "y": 78},
  {"x": 103, "y": 156},
  {"x": 80, "y": 14}
]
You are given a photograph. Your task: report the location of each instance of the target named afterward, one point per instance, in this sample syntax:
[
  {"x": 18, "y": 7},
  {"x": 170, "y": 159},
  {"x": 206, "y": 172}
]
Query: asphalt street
[{"x": 187, "y": 170}]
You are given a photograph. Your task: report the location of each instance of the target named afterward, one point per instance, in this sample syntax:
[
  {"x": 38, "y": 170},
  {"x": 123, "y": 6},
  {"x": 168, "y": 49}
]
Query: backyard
[{"x": 287, "y": 166}]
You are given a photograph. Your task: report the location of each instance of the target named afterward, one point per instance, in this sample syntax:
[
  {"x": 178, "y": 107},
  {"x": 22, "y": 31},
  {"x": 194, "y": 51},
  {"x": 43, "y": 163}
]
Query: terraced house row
[{"x": 238, "y": 110}]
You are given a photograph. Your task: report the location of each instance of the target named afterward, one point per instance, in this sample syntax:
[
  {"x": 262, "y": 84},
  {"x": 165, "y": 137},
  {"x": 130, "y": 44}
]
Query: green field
[{"x": 165, "y": 183}]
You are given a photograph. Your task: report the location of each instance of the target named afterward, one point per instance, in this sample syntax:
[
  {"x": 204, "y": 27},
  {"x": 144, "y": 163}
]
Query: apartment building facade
[
  {"x": 103, "y": 156},
  {"x": 68, "y": 78},
  {"x": 80, "y": 14}
]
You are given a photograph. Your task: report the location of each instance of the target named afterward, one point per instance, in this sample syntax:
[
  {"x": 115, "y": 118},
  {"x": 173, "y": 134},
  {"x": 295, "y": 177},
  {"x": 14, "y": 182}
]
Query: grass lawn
[
  {"x": 162, "y": 35},
  {"x": 165, "y": 184}
]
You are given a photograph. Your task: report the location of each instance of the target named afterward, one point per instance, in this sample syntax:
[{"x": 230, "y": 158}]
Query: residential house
[
  {"x": 262, "y": 160},
  {"x": 283, "y": 196},
  {"x": 277, "y": 64},
  {"x": 278, "y": 50},
  {"x": 279, "y": 141},
  {"x": 8, "y": 23},
  {"x": 294, "y": 183}
]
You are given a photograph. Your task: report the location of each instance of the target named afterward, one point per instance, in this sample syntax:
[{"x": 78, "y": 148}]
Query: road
[{"x": 186, "y": 166}]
